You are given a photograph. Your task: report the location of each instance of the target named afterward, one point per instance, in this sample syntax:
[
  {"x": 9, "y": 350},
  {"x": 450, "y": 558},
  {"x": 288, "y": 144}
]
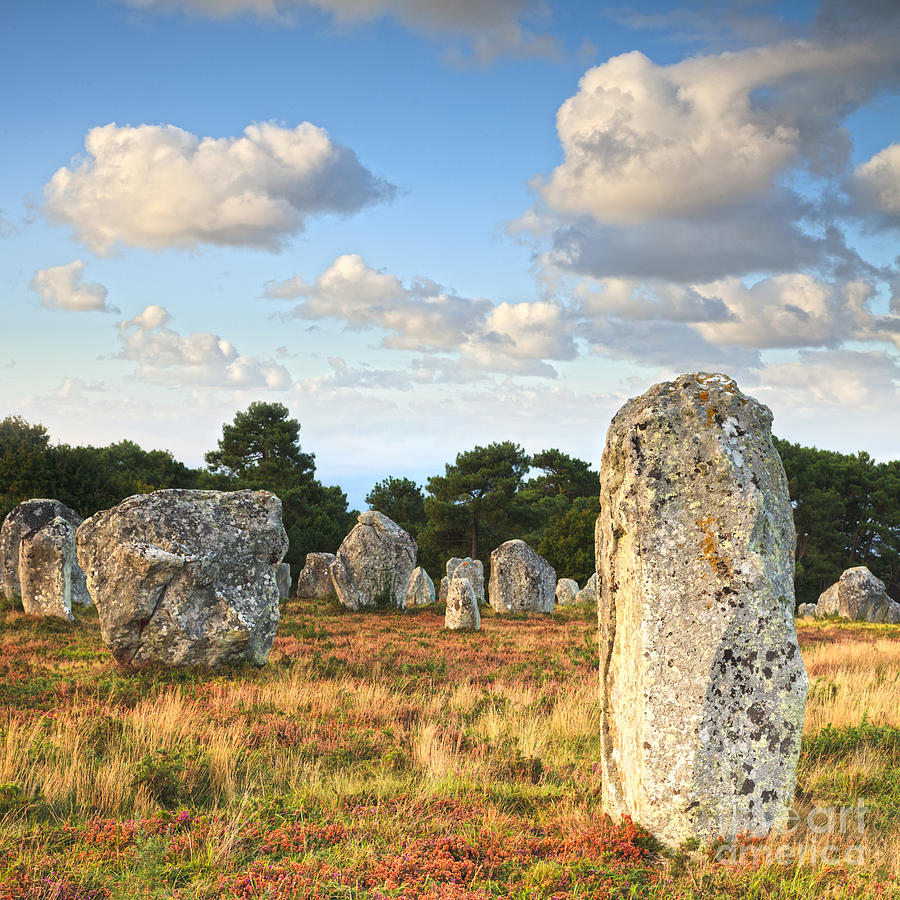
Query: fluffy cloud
[
  {"x": 160, "y": 186},
  {"x": 875, "y": 186},
  {"x": 64, "y": 287},
  {"x": 166, "y": 357}
]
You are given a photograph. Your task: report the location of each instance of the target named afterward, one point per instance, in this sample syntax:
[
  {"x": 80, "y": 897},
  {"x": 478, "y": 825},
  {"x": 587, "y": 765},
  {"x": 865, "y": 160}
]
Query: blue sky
[{"x": 426, "y": 225}]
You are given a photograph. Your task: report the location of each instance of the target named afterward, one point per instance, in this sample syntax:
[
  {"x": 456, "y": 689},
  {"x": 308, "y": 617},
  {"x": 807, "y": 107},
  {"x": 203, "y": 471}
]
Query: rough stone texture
[
  {"x": 374, "y": 563},
  {"x": 462, "y": 607},
  {"x": 859, "y": 595},
  {"x": 27, "y": 518},
  {"x": 420, "y": 590},
  {"x": 703, "y": 686},
  {"x": 283, "y": 580},
  {"x": 445, "y": 587},
  {"x": 184, "y": 577},
  {"x": 46, "y": 567},
  {"x": 473, "y": 569},
  {"x": 588, "y": 594},
  {"x": 566, "y": 591},
  {"x": 807, "y": 611},
  {"x": 314, "y": 581},
  {"x": 521, "y": 580}
]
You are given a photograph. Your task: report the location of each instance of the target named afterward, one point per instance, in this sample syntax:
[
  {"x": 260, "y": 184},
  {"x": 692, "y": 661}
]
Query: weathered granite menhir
[
  {"x": 566, "y": 591},
  {"x": 185, "y": 577},
  {"x": 703, "y": 687},
  {"x": 420, "y": 590},
  {"x": 462, "y": 613},
  {"x": 859, "y": 596},
  {"x": 521, "y": 580},
  {"x": 314, "y": 581}
]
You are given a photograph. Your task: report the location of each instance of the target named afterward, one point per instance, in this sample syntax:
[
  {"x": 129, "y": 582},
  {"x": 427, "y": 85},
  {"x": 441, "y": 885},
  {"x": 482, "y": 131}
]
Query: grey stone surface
[
  {"x": 860, "y": 596},
  {"x": 185, "y": 578},
  {"x": 462, "y": 607},
  {"x": 566, "y": 591},
  {"x": 25, "y": 519},
  {"x": 588, "y": 594},
  {"x": 444, "y": 588},
  {"x": 47, "y": 565},
  {"x": 807, "y": 611},
  {"x": 703, "y": 686},
  {"x": 283, "y": 580},
  {"x": 472, "y": 569},
  {"x": 521, "y": 580},
  {"x": 420, "y": 590},
  {"x": 314, "y": 581},
  {"x": 373, "y": 564}
]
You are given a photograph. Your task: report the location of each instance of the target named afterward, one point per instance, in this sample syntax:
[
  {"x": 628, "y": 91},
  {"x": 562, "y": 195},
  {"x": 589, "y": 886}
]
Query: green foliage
[
  {"x": 566, "y": 540},
  {"x": 24, "y": 462},
  {"x": 172, "y": 777},
  {"x": 400, "y": 499}
]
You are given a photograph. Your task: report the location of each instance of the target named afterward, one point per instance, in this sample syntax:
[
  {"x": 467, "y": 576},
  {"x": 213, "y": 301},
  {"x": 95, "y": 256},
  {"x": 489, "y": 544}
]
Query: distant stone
[
  {"x": 283, "y": 580},
  {"x": 566, "y": 591},
  {"x": 47, "y": 565},
  {"x": 420, "y": 590},
  {"x": 588, "y": 594},
  {"x": 521, "y": 580},
  {"x": 314, "y": 581},
  {"x": 472, "y": 569},
  {"x": 703, "y": 686},
  {"x": 374, "y": 564},
  {"x": 462, "y": 608},
  {"x": 27, "y": 518},
  {"x": 807, "y": 611},
  {"x": 445, "y": 587},
  {"x": 860, "y": 596},
  {"x": 186, "y": 578}
]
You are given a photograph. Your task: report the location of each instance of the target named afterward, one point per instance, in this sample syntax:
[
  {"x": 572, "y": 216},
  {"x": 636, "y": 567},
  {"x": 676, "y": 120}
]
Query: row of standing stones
[{"x": 703, "y": 686}]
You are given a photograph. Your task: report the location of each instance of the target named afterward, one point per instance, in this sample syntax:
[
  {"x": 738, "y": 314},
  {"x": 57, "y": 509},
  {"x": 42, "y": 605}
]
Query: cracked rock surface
[
  {"x": 374, "y": 564},
  {"x": 521, "y": 580},
  {"x": 186, "y": 577},
  {"x": 860, "y": 596},
  {"x": 314, "y": 581},
  {"x": 703, "y": 687}
]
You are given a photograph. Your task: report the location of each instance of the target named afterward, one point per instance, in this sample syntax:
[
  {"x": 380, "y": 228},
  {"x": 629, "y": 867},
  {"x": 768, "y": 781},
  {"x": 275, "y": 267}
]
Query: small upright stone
[
  {"x": 703, "y": 687},
  {"x": 445, "y": 587},
  {"x": 521, "y": 580},
  {"x": 472, "y": 569},
  {"x": 420, "y": 590},
  {"x": 859, "y": 596},
  {"x": 566, "y": 591},
  {"x": 46, "y": 567},
  {"x": 588, "y": 594},
  {"x": 314, "y": 581},
  {"x": 283, "y": 580},
  {"x": 462, "y": 608},
  {"x": 373, "y": 564}
]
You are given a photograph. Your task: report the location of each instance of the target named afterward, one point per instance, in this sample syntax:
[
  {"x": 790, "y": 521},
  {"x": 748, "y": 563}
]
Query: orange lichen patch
[{"x": 709, "y": 548}]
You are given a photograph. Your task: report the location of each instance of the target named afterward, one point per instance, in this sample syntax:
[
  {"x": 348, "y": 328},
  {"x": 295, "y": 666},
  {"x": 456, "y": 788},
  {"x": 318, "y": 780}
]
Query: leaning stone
[
  {"x": 27, "y": 518},
  {"x": 283, "y": 580},
  {"x": 420, "y": 590},
  {"x": 462, "y": 608},
  {"x": 703, "y": 686},
  {"x": 373, "y": 564},
  {"x": 186, "y": 578},
  {"x": 807, "y": 611},
  {"x": 588, "y": 594},
  {"x": 521, "y": 580},
  {"x": 46, "y": 567},
  {"x": 566, "y": 591},
  {"x": 472, "y": 569},
  {"x": 314, "y": 581},
  {"x": 860, "y": 596}
]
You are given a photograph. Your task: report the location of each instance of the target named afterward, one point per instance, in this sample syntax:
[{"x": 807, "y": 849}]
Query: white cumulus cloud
[
  {"x": 160, "y": 186},
  {"x": 64, "y": 287},
  {"x": 875, "y": 186}
]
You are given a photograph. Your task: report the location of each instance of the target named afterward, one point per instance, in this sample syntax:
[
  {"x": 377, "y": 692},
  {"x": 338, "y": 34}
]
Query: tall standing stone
[
  {"x": 373, "y": 564},
  {"x": 521, "y": 580},
  {"x": 703, "y": 687},
  {"x": 462, "y": 612},
  {"x": 283, "y": 580},
  {"x": 47, "y": 565},
  {"x": 314, "y": 581},
  {"x": 471, "y": 569}
]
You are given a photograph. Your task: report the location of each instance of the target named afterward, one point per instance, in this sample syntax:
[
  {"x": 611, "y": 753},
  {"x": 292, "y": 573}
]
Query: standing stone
[
  {"x": 283, "y": 580},
  {"x": 807, "y": 611},
  {"x": 588, "y": 594},
  {"x": 420, "y": 590},
  {"x": 444, "y": 589},
  {"x": 521, "y": 580},
  {"x": 314, "y": 581},
  {"x": 373, "y": 564},
  {"x": 860, "y": 596},
  {"x": 46, "y": 566},
  {"x": 566, "y": 591},
  {"x": 184, "y": 577},
  {"x": 27, "y": 518},
  {"x": 472, "y": 569},
  {"x": 462, "y": 608},
  {"x": 703, "y": 686}
]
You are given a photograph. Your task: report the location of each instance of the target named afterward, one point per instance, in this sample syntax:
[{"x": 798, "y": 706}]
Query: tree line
[{"x": 846, "y": 506}]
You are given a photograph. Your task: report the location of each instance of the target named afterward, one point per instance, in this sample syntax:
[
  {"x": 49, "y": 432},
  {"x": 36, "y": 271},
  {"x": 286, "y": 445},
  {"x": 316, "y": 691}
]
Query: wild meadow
[{"x": 379, "y": 756}]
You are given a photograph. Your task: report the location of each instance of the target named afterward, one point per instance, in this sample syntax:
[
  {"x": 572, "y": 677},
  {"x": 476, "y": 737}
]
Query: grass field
[{"x": 379, "y": 756}]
